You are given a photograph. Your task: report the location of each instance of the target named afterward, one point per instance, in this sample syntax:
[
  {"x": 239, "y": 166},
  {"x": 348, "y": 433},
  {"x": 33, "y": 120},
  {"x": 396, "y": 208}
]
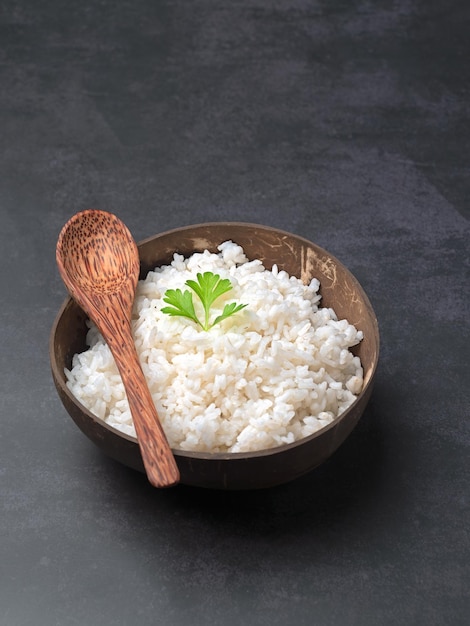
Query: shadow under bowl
[{"x": 251, "y": 470}]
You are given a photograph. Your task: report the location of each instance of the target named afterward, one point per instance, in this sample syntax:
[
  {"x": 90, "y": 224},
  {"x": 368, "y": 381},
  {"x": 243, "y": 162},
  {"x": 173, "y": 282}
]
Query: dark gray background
[{"x": 345, "y": 121}]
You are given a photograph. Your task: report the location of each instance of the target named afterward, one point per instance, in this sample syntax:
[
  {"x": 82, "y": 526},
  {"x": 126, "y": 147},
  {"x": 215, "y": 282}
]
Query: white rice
[{"x": 273, "y": 373}]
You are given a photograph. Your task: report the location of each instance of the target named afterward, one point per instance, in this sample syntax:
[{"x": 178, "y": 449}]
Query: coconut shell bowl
[{"x": 299, "y": 257}]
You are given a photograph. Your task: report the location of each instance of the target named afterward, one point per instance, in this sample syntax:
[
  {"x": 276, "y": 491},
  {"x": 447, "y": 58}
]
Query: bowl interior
[{"x": 339, "y": 290}]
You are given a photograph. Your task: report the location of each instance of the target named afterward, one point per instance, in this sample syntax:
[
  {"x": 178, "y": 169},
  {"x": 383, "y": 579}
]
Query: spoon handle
[{"x": 159, "y": 462}]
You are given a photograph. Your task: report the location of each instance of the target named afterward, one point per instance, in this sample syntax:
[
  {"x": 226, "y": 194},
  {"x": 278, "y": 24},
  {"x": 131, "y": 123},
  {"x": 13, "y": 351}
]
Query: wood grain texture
[{"x": 99, "y": 263}]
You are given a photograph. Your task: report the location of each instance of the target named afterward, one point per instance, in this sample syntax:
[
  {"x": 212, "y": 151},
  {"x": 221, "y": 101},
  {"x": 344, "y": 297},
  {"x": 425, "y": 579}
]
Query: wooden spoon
[{"x": 99, "y": 264}]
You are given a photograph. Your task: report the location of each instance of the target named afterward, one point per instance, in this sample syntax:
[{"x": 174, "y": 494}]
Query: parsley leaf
[
  {"x": 182, "y": 304},
  {"x": 208, "y": 288}
]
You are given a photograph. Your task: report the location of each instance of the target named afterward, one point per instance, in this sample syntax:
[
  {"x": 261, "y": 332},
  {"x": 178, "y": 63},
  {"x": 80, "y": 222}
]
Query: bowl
[{"x": 236, "y": 471}]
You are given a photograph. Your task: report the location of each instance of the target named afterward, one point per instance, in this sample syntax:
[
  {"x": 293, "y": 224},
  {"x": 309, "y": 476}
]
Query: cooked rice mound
[{"x": 276, "y": 372}]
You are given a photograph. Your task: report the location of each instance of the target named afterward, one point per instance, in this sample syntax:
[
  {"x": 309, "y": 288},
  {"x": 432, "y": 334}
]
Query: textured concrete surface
[{"x": 344, "y": 121}]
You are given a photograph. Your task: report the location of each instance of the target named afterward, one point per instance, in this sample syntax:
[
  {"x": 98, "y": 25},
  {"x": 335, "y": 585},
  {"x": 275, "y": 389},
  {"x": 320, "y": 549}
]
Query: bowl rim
[{"x": 223, "y": 456}]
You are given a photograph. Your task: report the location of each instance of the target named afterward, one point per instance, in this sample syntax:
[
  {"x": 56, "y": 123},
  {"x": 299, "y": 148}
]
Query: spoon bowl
[
  {"x": 99, "y": 263},
  {"x": 96, "y": 252}
]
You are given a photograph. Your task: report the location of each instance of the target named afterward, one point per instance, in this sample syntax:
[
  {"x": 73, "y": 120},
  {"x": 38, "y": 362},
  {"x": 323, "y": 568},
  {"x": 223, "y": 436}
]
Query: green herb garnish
[{"x": 208, "y": 288}]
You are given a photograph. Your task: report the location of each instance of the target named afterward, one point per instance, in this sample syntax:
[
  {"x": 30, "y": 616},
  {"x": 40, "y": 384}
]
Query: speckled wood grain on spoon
[{"x": 98, "y": 260}]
